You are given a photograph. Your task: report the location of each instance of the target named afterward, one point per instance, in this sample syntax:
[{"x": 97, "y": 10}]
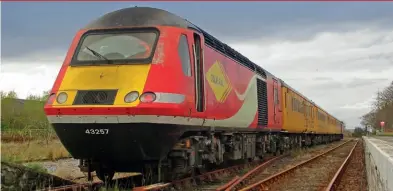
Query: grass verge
[{"x": 18, "y": 152}]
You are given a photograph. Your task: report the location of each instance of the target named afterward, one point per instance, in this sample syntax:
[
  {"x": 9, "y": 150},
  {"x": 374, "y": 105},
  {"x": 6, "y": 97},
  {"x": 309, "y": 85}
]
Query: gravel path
[
  {"x": 355, "y": 178},
  {"x": 315, "y": 175}
]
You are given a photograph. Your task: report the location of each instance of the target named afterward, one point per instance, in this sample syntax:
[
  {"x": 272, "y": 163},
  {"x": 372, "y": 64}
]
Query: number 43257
[{"x": 97, "y": 131}]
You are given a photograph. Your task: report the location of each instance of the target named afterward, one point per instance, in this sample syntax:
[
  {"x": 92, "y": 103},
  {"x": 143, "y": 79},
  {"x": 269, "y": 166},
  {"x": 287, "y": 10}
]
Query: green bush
[
  {"x": 36, "y": 167},
  {"x": 22, "y": 114},
  {"x": 23, "y": 119}
]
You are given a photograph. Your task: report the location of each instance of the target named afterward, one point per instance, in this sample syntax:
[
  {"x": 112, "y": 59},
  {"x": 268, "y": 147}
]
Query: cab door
[
  {"x": 198, "y": 74},
  {"x": 276, "y": 105}
]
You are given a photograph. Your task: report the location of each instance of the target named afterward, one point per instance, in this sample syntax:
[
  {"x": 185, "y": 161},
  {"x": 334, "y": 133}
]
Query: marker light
[
  {"x": 131, "y": 97},
  {"x": 51, "y": 99},
  {"x": 62, "y": 97},
  {"x": 148, "y": 97}
]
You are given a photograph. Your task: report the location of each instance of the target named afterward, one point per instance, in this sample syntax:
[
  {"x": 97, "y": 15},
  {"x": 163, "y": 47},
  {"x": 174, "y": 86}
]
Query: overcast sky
[{"x": 337, "y": 54}]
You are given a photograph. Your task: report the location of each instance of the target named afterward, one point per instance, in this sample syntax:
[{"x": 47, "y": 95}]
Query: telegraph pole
[
  {"x": 366, "y": 130},
  {"x": 378, "y": 108}
]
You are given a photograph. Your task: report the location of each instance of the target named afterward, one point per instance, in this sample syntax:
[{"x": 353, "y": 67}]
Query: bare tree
[{"x": 382, "y": 109}]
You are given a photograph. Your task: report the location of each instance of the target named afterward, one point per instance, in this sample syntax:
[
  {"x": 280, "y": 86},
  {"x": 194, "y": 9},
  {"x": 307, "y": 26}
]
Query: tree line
[
  {"x": 381, "y": 110},
  {"x": 13, "y": 95}
]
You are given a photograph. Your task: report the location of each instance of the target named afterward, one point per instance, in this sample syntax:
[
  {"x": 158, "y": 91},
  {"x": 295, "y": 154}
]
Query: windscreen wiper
[{"x": 97, "y": 54}]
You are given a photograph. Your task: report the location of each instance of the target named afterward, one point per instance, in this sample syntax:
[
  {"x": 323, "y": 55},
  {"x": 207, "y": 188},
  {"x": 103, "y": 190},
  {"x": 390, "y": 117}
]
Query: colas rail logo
[{"x": 219, "y": 81}]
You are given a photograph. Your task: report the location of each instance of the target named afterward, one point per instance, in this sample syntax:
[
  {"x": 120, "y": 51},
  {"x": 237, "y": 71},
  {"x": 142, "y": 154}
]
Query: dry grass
[
  {"x": 299, "y": 152},
  {"x": 32, "y": 150}
]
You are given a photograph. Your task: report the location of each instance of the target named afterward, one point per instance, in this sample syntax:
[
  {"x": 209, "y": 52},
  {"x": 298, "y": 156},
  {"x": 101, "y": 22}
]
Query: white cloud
[
  {"x": 340, "y": 71},
  {"x": 31, "y": 74}
]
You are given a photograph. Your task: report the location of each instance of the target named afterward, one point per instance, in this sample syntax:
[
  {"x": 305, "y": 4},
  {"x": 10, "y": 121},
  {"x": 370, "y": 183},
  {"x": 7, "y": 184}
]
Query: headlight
[
  {"x": 148, "y": 97},
  {"x": 62, "y": 97},
  {"x": 131, "y": 97}
]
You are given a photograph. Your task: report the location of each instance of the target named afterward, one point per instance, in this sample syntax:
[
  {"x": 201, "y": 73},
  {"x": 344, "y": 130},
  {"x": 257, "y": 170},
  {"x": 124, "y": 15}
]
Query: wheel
[{"x": 105, "y": 174}]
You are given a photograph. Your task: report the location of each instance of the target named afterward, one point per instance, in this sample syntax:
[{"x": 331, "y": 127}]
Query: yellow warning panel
[{"x": 218, "y": 81}]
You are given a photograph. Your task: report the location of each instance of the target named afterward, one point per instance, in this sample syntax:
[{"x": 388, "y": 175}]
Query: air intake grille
[
  {"x": 95, "y": 97},
  {"x": 262, "y": 103}
]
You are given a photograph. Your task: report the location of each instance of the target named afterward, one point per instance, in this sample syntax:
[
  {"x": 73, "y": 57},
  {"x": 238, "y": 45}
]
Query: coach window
[
  {"x": 307, "y": 111},
  {"x": 293, "y": 104},
  {"x": 184, "y": 54}
]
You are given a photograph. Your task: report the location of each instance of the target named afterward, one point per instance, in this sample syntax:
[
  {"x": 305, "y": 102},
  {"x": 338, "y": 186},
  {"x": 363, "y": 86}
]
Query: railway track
[
  {"x": 353, "y": 173},
  {"x": 222, "y": 179},
  {"x": 225, "y": 181},
  {"x": 182, "y": 183},
  {"x": 321, "y": 172},
  {"x": 209, "y": 178}
]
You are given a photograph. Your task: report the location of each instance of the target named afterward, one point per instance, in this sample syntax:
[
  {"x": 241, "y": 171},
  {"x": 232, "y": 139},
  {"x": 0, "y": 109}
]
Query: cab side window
[{"x": 184, "y": 54}]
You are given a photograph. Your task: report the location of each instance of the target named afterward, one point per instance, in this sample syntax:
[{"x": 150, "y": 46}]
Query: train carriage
[
  {"x": 303, "y": 116},
  {"x": 142, "y": 89}
]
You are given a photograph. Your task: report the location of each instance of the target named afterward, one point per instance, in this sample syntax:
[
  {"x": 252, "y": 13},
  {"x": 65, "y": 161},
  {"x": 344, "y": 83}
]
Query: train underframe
[{"x": 201, "y": 151}]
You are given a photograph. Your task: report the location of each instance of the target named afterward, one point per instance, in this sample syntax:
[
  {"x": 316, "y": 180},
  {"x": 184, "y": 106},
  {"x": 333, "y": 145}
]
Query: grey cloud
[
  {"x": 372, "y": 62},
  {"x": 359, "y": 82},
  {"x": 379, "y": 40},
  {"x": 313, "y": 79},
  {"x": 327, "y": 85},
  {"x": 370, "y": 65},
  {"x": 296, "y": 30},
  {"x": 232, "y": 22},
  {"x": 22, "y": 46},
  {"x": 322, "y": 79}
]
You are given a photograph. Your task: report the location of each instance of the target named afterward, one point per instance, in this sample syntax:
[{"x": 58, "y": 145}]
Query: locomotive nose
[{"x": 103, "y": 85}]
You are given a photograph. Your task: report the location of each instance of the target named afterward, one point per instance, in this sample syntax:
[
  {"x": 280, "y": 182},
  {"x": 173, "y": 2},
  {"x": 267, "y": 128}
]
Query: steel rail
[
  {"x": 252, "y": 173},
  {"x": 89, "y": 185},
  {"x": 335, "y": 181},
  {"x": 261, "y": 185},
  {"x": 209, "y": 176},
  {"x": 228, "y": 184},
  {"x": 157, "y": 186}
]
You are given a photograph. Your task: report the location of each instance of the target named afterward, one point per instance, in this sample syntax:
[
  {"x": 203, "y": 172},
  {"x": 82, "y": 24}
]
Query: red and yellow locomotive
[{"x": 142, "y": 89}]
